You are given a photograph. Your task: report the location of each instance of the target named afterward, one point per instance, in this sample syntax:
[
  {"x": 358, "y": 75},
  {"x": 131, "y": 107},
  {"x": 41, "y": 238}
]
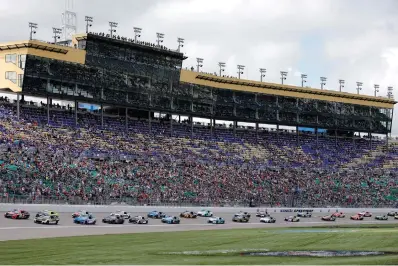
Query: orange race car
[
  {"x": 356, "y": 217},
  {"x": 188, "y": 214},
  {"x": 338, "y": 215}
]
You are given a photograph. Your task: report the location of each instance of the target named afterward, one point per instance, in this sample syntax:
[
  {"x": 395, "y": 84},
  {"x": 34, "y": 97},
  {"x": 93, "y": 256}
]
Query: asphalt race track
[{"x": 27, "y": 229}]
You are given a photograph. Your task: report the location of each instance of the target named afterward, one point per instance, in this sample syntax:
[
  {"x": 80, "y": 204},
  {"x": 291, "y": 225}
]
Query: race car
[
  {"x": 216, "y": 220},
  {"x": 392, "y": 213},
  {"x": 267, "y": 219},
  {"x": 156, "y": 215},
  {"x": 138, "y": 220},
  {"x": 17, "y": 214},
  {"x": 45, "y": 218},
  {"x": 171, "y": 220},
  {"x": 381, "y": 217},
  {"x": 85, "y": 219},
  {"x": 78, "y": 213},
  {"x": 240, "y": 218},
  {"x": 123, "y": 214},
  {"x": 113, "y": 219},
  {"x": 188, "y": 214},
  {"x": 304, "y": 214},
  {"x": 365, "y": 214},
  {"x": 244, "y": 213},
  {"x": 205, "y": 213},
  {"x": 292, "y": 219},
  {"x": 262, "y": 214},
  {"x": 356, "y": 217},
  {"x": 339, "y": 214},
  {"x": 396, "y": 217},
  {"x": 329, "y": 218}
]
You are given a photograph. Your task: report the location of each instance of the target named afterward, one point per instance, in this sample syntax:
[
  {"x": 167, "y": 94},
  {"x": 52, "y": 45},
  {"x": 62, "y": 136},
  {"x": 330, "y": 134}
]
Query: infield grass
[{"x": 145, "y": 248}]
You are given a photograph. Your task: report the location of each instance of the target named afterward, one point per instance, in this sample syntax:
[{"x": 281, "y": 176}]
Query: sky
[{"x": 354, "y": 40}]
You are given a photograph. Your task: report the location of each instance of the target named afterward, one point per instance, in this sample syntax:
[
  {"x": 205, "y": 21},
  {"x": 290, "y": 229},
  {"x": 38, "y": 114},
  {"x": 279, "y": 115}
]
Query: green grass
[{"x": 144, "y": 248}]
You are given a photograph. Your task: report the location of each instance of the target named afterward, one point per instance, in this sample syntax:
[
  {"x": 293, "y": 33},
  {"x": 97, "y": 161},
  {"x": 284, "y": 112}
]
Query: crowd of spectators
[{"x": 146, "y": 166}]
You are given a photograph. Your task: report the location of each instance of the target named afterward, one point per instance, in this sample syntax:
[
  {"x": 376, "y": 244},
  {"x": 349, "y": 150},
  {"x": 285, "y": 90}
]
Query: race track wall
[{"x": 145, "y": 209}]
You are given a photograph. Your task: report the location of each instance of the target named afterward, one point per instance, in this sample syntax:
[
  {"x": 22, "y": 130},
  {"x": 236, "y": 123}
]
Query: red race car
[
  {"x": 17, "y": 214},
  {"x": 356, "y": 217},
  {"x": 365, "y": 214},
  {"x": 338, "y": 215}
]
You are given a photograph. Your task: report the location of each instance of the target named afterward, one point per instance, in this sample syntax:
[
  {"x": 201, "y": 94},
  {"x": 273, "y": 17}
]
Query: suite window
[
  {"x": 11, "y": 58},
  {"x": 12, "y": 76},
  {"x": 22, "y": 61}
]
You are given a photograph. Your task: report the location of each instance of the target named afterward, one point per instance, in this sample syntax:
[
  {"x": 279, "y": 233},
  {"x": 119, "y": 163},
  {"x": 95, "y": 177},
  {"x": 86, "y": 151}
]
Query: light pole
[
  {"x": 262, "y": 73},
  {"x": 33, "y": 27},
  {"x": 341, "y": 82},
  {"x": 57, "y": 32},
  {"x": 323, "y": 82},
  {"x": 389, "y": 93},
  {"x": 376, "y": 89},
  {"x": 303, "y": 79},
  {"x": 137, "y": 33},
  {"x": 160, "y": 37},
  {"x": 240, "y": 70},
  {"x": 180, "y": 43},
  {"x": 89, "y": 21},
  {"x": 112, "y": 25},
  {"x": 359, "y": 86},
  {"x": 200, "y": 64},
  {"x": 283, "y": 76},
  {"x": 222, "y": 67}
]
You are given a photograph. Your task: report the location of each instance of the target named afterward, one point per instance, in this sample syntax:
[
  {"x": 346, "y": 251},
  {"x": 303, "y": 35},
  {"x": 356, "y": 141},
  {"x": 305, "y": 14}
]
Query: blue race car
[
  {"x": 171, "y": 220},
  {"x": 216, "y": 220},
  {"x": 85, "y": 219},
  {"x": 156, "y": 215}
]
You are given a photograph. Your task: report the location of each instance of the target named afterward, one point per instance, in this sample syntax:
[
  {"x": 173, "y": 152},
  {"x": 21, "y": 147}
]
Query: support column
[
  {"x": 18, "y": 105},
  {"x": 127, "y": 119},
  {"x": 235, "y": 124},
  {"x": 191, "y": 121},
  {"x": 257, "y": 132},
  {"x": 76, "y": 107},
  {"x": 370, "y": 140},
  {"x": 48, "y": 111},
  {"x": 211, "y": 127},
  {"x": 102, "y": 115},
  {"x": 150, "y": 121},
  {"x": 277, "y": 132},
  {"x": 386, "y": 141},
  {"x": 317, "y": 136},
  {"x": 171, "y": 125},
  {"x": 297, "y": 136},
  {"x": 335, "y": 137}
]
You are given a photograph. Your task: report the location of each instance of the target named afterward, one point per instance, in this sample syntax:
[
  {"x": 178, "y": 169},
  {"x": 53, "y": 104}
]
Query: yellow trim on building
[{"x": 283, "y": 90}]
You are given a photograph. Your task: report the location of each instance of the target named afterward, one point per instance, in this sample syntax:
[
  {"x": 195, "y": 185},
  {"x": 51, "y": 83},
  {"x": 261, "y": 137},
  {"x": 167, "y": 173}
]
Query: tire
[
  {"x": 56, "y": 222},
  {"x": 48, "y": 222}
]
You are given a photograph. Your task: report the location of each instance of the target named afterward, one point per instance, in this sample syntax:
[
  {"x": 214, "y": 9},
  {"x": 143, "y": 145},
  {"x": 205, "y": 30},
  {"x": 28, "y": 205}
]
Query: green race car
[{"x": 381, "y": 217}]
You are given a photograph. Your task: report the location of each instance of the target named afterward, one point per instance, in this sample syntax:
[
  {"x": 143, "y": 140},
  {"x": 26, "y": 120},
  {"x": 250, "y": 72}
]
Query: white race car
[
  {"x": 122, "y": 214},
  {"x": 304, "y": 214},
  {"x": 365, "y": 214},
  {"x": 267, "y": 219},
  {"x": 205, "y": 213}
]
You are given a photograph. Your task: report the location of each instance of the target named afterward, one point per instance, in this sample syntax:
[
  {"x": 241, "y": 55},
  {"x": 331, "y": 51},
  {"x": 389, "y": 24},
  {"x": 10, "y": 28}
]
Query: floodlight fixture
[
  {"x": 359, "y": 86},
  {"x": 56, "y": 32},
  {"x": 200, "y": 64},
  {"x": 283, "y": 76},
  {"x": 323, "y": 82},
  {"x": 33, "y": 27},
  {"x": 240, "y": 70},
  {"x": 303, "y": 79},
  {"x": 341, "y": 82},
  {"x": 160, "y": 37},
  {"x": 112, "y": 26},
  {"x": 89, "y": 21},
  {"x": 180, "y": 43},
  {"x": 262, "y": 73},
  {"x": 221, "y": 65},
  {"x": 376, "y": 87},
  {"x": 137, "y": 33}
]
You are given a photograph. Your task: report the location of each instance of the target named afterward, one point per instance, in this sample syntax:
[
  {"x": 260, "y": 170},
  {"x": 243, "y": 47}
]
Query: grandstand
[{"x": 123, "y": 152}]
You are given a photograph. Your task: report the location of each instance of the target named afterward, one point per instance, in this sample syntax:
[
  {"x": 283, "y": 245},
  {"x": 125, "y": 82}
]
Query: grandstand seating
[{"x": 144, "y": 165}]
